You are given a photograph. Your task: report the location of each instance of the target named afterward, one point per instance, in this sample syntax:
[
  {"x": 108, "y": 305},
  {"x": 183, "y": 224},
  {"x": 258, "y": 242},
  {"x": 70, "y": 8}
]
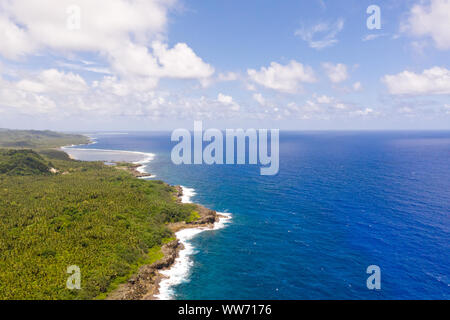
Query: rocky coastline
[
  {"x": 133, "y": 169},
  {"x": 145, "y": 284}
]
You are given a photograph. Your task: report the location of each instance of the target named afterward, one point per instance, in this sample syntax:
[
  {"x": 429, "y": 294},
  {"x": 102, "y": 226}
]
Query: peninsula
[{"x": 57, "y": 212}]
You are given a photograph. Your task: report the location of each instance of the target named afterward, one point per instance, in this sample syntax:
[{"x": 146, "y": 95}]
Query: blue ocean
[{"x": 342, "y": 201}]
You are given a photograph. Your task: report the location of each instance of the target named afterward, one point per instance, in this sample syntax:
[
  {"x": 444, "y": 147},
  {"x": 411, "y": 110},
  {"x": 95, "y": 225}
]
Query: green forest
[{"x": 56, "y": 212}]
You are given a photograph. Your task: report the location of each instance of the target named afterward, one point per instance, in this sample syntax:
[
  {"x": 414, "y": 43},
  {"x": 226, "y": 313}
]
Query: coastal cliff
[{"x": 145, "y": 284}]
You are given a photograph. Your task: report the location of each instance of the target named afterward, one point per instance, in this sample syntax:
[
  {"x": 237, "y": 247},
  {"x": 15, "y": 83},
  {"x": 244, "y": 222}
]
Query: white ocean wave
[
  {"x": 188, "y": 193},
  {"x": 180, "y": 270}
]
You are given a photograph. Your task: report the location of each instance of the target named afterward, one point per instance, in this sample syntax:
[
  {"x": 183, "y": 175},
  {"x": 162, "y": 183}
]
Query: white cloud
[
  {"x": 336, "y": 73},
  {"x": 46, "y": 94},
  {"x": 431, "y": 81},
  {"x": 357, "y": 86},
  {"x": 23, "y": 101},
  {"x": 124, "y": 87},
  {"x": 221, "y": 77},
  {"x": 119, "y": 30},
  {"x": 91, "y": 67},
  {"x": 15, "y": 41},
  {"x": 229, "y": 76},
  {"x": 419, "y": 46},
  {"x": 340, "y": 106},
  {"x": 259, "y": 98},
  {"x": 59, "y": 94},
  {"x": 224, "y": 98},
  {"x": 324, "y": 99},
  {"x": 373, "y": 36},
  {"x": 321, "y": 35},
  {"x": 104, "y": 23},
  {"x": 331, "y": 102},
  {"x": 364, "y": 112},
  {"x": 125, "y": 37},
  {"x": 285, "y": 78},
  {"x": 430, "y": 18},
  {"x": 134, "y": 60},
  {"x": 324, "y": 107},
  {"x": 307, "y": 110},
  {"x": 181, "y": 62},
  {"x": 53, "y": 80},
  {"x": 228, "y": 101}
]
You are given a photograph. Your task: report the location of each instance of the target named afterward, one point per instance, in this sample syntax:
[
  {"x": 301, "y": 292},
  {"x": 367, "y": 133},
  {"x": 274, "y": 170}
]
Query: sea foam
[
  {"x": 179, "y": 272},
  {"x": 188, "y": 193}
]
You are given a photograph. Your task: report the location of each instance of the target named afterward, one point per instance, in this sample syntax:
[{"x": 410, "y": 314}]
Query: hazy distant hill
[{"x": 38, "y": 139}]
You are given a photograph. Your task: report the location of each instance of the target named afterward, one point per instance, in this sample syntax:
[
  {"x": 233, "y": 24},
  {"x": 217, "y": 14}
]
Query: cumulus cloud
[
  {"x": 335, "y": 72},
  {"x": 127, "y": 32},
  {"x": 259, "y": 98},
  {"x": 15, "y": 41},
  {"x": 84, "y": 66},
  {"x": 285, "y": 78},
  {"x": 181, "y": 62},
  {"x": 307, "y": 110},
  {"x": 431, "y": 81},
  {"x": 54, "y": 81},
  {"x": 124, "y": 87},
  {"x": 228, "y": 76},
  {"x": 58, "y": 94},
  {"x": 340, "y": 106},
  {"x": 325, "y": 107},
  {"x": 357, "y": 86},
  {"x": 127, "y": 36},
  {"x": 221, "y": 77},
  {"x": 46, "y": 94},
  {"x": 364, "y": 112},
  {"x": 321, "y": 35},
  {"x": 430, "y": 19},
  {"x": 104, "y": 23},
  {"x": 22, "y": 100},
  {"x": 324, "y": 99},
  {"x": 228, "y": 101},
  {"x": 331, "y": 103}
]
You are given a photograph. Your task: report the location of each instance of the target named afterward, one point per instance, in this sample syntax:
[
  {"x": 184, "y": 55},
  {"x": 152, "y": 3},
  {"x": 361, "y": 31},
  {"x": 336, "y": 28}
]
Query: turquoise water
[{"x": 342, "y": 201}]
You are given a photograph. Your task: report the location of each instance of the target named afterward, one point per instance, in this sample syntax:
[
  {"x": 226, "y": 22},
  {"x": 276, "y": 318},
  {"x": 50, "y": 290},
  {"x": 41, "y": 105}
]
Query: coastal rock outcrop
[{"x": 145, "y": 284}]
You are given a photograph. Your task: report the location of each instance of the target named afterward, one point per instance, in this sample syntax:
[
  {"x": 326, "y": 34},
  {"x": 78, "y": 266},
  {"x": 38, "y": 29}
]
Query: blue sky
[{"x": 152, "y": 65}]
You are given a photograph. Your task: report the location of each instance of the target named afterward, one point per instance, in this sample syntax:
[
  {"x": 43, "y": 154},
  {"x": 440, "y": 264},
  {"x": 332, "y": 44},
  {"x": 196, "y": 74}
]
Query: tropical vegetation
[{"x": 56, "y": 212}]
